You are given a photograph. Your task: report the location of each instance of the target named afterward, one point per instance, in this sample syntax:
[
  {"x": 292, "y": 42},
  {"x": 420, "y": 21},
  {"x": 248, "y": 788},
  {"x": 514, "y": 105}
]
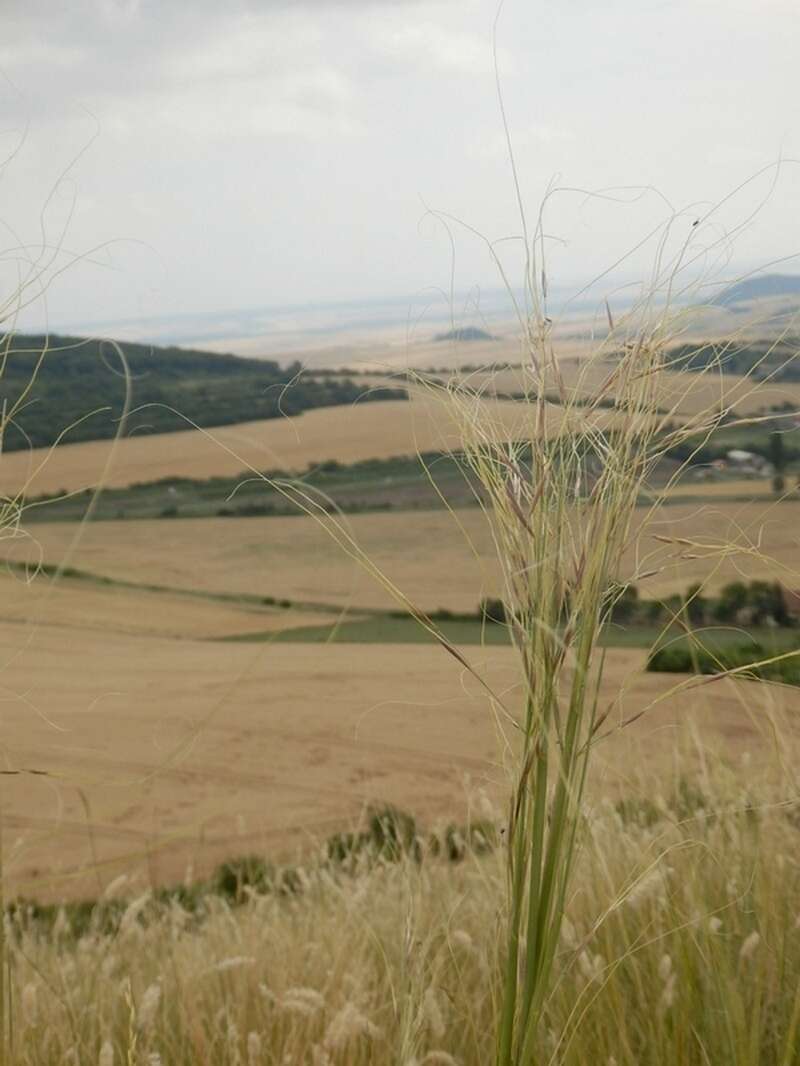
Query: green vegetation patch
[
  {"x": 387, "y": 629},
  {"x": 749, "y": 659}
]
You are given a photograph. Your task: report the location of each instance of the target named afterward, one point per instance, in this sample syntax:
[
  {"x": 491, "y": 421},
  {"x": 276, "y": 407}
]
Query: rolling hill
[{"x": 52, "y": 384}]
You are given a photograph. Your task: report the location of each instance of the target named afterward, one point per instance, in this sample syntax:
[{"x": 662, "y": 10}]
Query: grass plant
[
  {"x": 561, "y": 507},
  {"x": 559, "y": 541}
]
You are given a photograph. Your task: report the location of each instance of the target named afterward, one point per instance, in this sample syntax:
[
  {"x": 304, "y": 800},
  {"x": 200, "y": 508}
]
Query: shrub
[
  {"x": 744, "y": 658},
  {"x": 234, "y": 877},
  {"x": 492, "y": 611},
  {"x": 625, "y": 605},
  {"x": 390, "y": 834},
  {"x": 653, "y": 611},
  {"x": 765, "y": 600},
  {"x": 455, "y": 842}
]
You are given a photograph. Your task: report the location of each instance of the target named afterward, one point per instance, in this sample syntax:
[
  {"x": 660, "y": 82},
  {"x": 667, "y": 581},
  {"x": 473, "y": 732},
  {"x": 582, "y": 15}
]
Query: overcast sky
[{"x": 240, "y": 155}]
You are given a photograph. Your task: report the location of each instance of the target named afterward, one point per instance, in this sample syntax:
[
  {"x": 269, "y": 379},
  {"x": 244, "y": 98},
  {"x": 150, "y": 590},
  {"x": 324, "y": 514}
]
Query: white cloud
[
  {"x": 250, "y": 44},
  {"x": 119, "y": 10},
  {"x": 310, "y": 103},
  {"x": 426, "y": 43},
  {"x": 530, "y": 137},
  {"x": 38, "y": 55},
  {"x": 237, "y": 75},
  {"x": 753, "y": 7}
]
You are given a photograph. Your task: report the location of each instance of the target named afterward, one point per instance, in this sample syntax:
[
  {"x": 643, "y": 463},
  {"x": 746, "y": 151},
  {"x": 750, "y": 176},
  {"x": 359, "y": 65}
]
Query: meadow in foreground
[{"x": 680, "y": 944}]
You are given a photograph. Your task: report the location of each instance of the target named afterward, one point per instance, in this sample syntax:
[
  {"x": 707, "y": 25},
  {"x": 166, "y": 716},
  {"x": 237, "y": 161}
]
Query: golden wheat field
[
  {"x": 733, "y": 490},
  {"x": 364, "y": 431}
]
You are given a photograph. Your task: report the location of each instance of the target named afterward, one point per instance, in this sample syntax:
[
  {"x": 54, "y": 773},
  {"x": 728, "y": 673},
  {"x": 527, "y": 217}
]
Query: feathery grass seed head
[{"x": 749, "y": 945}]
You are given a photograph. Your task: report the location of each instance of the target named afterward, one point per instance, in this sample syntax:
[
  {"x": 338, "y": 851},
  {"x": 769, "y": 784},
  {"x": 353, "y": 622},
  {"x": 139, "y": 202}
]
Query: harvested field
[
  {"x": 426, "y": 554},
  {"x": 163, "y": 756}
]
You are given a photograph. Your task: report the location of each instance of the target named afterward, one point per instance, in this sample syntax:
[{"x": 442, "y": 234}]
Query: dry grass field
[
  {"x": 437, "y": 559},
  {"x": 161, "y": 757}
]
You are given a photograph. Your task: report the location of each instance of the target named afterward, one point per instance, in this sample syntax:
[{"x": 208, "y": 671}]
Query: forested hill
[{"x": 79, "y": 378}]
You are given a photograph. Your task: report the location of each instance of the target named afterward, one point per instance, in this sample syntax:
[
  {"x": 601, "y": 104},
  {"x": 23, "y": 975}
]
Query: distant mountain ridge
[
  {"x": 465, "y": 333},
  {"x": 171, "y": 389},
  {"x": 765, "y": 285}
]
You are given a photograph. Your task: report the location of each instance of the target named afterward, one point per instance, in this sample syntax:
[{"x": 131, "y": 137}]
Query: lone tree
[
  {"x": 777, "y": 455},
  {"x": 492, "y": 611},
  {"x": 695, "y": 605}
]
